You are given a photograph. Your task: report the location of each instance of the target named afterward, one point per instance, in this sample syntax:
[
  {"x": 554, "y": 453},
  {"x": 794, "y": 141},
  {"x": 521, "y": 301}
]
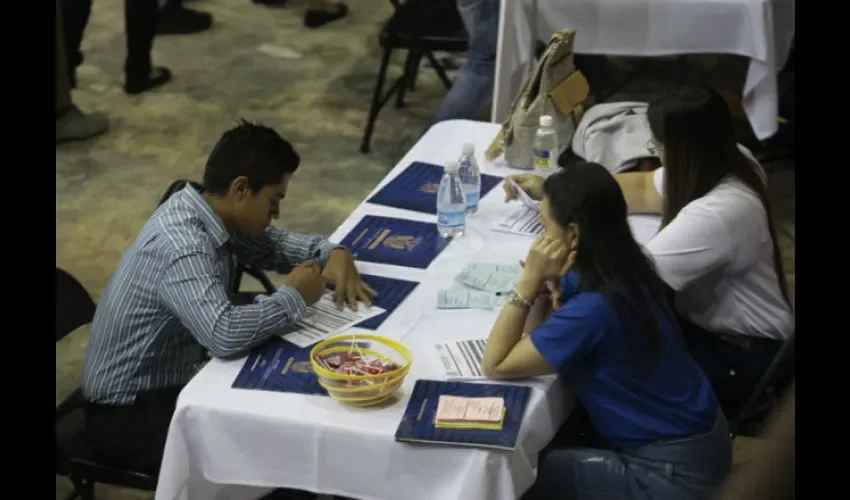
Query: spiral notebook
[
  {"x": 418, "y": 423},
  {"x": 416, "y": 188},
  {"x": 397, "y": 242}
]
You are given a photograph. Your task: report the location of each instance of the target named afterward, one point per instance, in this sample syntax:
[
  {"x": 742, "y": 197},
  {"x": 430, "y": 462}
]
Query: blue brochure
[
  {"x": 279, "y": 366},
  {"x": 416, "y": 188},
  {"x": 398, "y": 242},
  {"x": 391, "y": 293},
  {"x": 417, "y": 424}
]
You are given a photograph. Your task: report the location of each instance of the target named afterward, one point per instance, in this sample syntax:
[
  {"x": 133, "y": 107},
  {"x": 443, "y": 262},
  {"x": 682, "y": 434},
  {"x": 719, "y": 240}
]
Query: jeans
[
  {"x": 687, "y": 468},
  {"x": 473, "y": 87},
  {"x": 733, "y": 370}
]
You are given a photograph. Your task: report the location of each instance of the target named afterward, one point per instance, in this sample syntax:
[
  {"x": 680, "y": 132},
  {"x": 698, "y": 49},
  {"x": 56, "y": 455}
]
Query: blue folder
[
  {"x": 391, "y": 293},
  {"x": 279, "y": 366},
  {"x": 416, "y": 188},
  {"x": 398, "y": 242},
  {"x": 417, "y": 424}
]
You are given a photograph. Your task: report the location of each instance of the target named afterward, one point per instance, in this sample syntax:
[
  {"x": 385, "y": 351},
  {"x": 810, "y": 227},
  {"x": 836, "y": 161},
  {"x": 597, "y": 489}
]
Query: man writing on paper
[{"x": 167, "y": 303}]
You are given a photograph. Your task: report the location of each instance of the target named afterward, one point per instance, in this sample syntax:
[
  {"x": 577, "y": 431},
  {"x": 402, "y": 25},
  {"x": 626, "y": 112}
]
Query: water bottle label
[
  {"x": 451, "y": 219},
  {"x": 472, "y": 198},
  {"x": 542, "y": 158}
]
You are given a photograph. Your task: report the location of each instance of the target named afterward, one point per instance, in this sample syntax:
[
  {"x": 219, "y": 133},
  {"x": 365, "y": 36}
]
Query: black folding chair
[
  {"x": 766, "y": 394},
  {"x": 74, "y": 458},
  {"x": 420, "y": 27},
  {"x": 259, "y": 275}
]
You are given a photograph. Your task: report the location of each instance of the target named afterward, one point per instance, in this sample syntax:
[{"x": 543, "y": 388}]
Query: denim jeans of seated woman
[
  {"x": 473, "y": 87},
  {"x": 678, "y": 469}
]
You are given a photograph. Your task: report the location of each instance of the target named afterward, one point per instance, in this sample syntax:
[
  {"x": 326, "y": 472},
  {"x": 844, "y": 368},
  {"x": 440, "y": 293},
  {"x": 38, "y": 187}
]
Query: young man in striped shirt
[{"x": 169, "y": 303}]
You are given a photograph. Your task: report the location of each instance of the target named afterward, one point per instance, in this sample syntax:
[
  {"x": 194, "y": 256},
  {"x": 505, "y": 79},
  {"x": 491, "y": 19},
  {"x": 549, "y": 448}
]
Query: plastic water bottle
[
  {"x": 470, "y": 177},
  {"x": 545, "y": 151},
  {"x": 451, "y": 205}
]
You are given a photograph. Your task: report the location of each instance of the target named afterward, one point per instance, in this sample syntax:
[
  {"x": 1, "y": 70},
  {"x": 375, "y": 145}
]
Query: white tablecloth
[
  {"x": 761, "y": 30},
  {"x": 224, "y": 443}
]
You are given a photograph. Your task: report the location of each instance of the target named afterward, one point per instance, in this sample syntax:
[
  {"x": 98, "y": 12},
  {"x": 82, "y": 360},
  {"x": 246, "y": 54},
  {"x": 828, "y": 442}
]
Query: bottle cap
[
  {"x": 545, "y": 121},
  {"x": 451, "y": 166},
  {"x": 468, "y": 148}
]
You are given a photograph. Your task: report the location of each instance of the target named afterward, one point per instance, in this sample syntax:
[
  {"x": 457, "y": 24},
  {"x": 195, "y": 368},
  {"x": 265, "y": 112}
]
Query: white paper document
[
  {"x": 494, "y": 278},
  {"x": 523, "y": 197},
  {"x": 525, "y": 222},
  {"x": 468, "y": 299},
  {"x": 462, "y": 359},
  {"x": 325, "y": 320}
]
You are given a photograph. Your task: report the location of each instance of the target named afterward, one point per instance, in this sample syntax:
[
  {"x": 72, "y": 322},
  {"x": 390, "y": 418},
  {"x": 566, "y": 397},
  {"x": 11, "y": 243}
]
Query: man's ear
[{"x": 240, "y": 188}]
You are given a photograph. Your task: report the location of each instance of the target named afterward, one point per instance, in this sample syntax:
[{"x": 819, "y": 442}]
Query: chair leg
[
  {"x": 406, "y": 77},
  {"x": 82, "y": 489},
  {"x": 416, "y": 63},
  {"x": 439, "y": 69},
  {"x": 376, "y": 101}
]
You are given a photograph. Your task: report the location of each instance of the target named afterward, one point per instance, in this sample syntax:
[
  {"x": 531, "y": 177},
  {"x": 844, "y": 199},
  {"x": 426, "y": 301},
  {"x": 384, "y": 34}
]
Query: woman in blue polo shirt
[{"x": 613, "y": 338}]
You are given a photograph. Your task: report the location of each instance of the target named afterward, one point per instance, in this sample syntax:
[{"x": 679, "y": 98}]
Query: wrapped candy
[{"x": 356, "y": 364}]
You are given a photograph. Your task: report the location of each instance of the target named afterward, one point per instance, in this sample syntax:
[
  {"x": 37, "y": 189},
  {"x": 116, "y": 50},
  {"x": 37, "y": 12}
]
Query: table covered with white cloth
[
  {"x": 761, "y": 30},
  {"x": 232, "y": 443}
]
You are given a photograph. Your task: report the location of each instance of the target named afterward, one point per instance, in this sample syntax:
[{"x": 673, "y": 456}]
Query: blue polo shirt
[{"x": 586, "y": 342}]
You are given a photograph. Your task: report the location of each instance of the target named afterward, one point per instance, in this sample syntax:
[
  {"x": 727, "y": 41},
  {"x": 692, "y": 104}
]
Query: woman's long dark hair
[
  {"x": 608, "y": 259},
  {"x": 694, "y": 125}
]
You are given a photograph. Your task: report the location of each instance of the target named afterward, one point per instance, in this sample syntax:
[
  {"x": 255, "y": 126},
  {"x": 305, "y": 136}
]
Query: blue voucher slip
[
  {"x": 416, "y": 188},
  {"x": 398, "y": 242},
  {"x": 279, "y": 366},
  {"x": 417, "y": 424}
]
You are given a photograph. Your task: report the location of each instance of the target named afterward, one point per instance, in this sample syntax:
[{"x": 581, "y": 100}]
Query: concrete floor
[{"x": 313, "y": 86}]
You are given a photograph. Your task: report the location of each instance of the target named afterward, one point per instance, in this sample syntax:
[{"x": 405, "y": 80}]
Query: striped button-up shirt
[{"x": 168, "y": 302}]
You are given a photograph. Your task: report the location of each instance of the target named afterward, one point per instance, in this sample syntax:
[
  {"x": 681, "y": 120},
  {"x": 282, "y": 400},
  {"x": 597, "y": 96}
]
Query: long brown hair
[{"x": 694, "y": 126}]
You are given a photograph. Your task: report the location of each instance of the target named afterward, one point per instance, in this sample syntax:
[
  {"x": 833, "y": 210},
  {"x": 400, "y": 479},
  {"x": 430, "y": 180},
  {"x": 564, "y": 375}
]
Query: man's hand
[
  {"x": 530, "y": 183},
  {"x": 341, "y": 272},
  {"x": 308, "y": 280}
]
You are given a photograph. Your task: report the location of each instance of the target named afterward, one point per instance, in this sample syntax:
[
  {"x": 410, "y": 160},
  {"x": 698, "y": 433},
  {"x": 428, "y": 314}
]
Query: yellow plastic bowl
[{"x": 362, "y": 390}]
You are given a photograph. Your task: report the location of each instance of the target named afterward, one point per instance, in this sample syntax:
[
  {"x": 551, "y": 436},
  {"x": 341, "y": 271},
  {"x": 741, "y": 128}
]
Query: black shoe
[
  {"x": 271, "y": 3},
  {"x": 317, "y": 18},
  {"x": 138, "y": 85},
  {"x": 182, "y": 21}
]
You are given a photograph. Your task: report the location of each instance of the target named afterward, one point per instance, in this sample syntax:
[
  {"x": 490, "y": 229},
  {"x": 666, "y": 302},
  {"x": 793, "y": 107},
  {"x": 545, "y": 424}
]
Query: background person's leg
[
  {"x": 75, "y": 18},
  {"x": 140, "y": 21},
  {"x": 473, "y": 87},
  {"x": 71, "y": 123}
]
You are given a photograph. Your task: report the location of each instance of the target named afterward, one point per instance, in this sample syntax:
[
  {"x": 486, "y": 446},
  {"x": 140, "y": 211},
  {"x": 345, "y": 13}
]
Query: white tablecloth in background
[
  {"x": 761, "y": 30},
  {"x": 223, "y": 442}
]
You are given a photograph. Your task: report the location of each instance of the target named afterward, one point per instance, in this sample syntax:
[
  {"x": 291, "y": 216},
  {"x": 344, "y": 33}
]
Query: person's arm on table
[
  {"x": 641, "y": 189},
  {"x": 192, "y": 289},
  {"x": 279, "y": 250},
  {"x": 508, "y": 354}
]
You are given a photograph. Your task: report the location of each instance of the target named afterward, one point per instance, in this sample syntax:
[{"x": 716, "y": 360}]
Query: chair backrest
[
  {"x": 74, "y": 305},
  {"x": 778, "y": 376},
  {"x": 177, "y": 186}
]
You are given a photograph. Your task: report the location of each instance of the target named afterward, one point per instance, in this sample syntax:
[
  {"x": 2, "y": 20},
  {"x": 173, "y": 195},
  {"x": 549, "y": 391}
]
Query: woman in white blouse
[{"x": 717, "y": 246}]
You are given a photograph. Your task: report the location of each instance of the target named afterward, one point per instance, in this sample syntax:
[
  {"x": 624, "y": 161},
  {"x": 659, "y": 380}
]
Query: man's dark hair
[{"x": 253, "y": 150}]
